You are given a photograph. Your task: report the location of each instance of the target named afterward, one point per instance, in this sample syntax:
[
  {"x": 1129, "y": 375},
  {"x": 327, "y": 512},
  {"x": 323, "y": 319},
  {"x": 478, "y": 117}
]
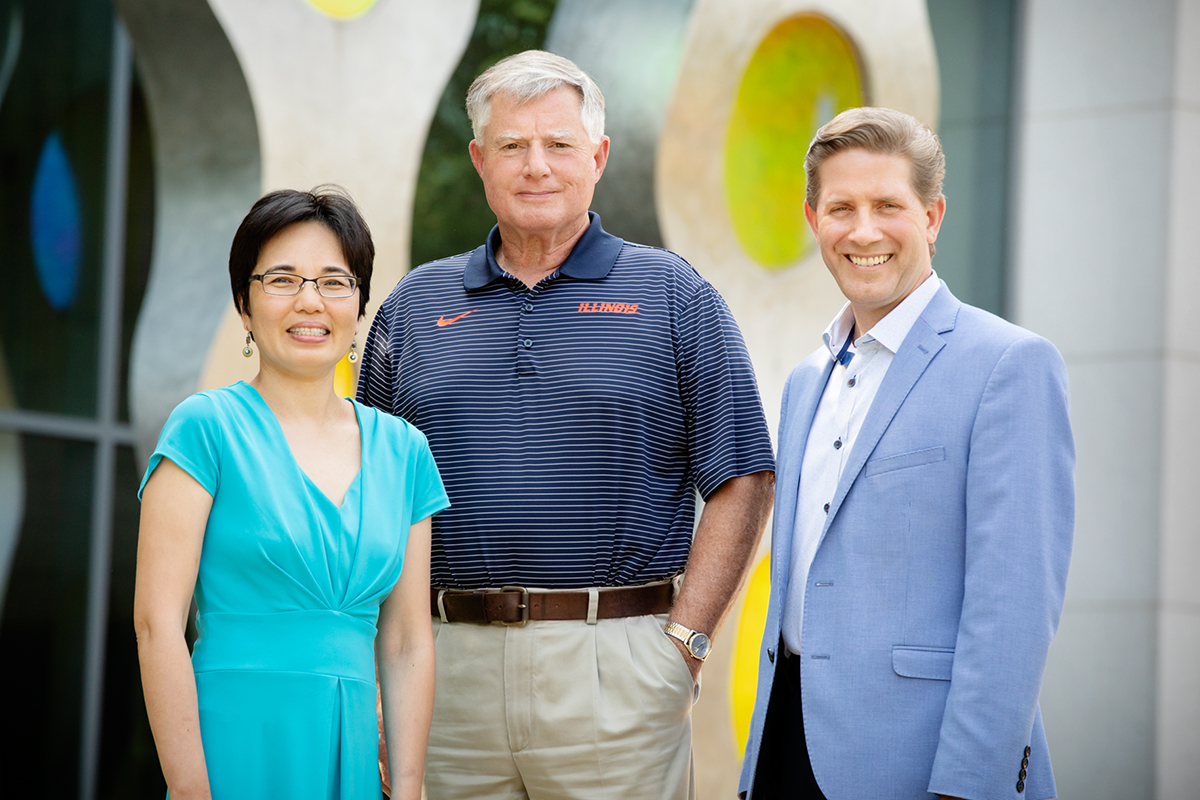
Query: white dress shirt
[{"x": 843, "y": 407}]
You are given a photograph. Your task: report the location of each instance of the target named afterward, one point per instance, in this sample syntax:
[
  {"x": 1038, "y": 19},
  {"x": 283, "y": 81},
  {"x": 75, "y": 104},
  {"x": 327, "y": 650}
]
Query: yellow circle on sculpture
[
  {"x": 743, "y": 677},
  {"x": 343, "y": 9},
  {"x": 803, "y": 74}
]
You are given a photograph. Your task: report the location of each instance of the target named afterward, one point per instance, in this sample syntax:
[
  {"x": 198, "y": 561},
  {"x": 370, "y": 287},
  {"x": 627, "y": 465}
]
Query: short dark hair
[{"x": 328, "y": 204}]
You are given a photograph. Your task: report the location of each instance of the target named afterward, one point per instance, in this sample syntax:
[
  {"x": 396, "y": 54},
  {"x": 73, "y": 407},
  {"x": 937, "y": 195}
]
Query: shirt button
[
  {"x": 837, "y": 445},
  {"x": 827, "y": 508},
  {"x": 852, "y": 381},
  {"x": 529, "y": 306},
  {"x": 528, "y": 343}
]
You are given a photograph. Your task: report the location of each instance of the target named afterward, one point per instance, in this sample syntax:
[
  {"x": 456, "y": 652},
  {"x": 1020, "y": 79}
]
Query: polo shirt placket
[{"x": 527, "y": 329}]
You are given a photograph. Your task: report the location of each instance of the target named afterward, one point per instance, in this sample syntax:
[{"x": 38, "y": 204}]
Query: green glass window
[
  {"x": 76, "y": 223},
  {"x": 974, "y": 40}
]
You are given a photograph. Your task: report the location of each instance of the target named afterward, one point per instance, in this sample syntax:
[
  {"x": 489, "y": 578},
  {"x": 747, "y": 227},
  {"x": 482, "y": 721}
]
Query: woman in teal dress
[{"x": 300, "y": 522}]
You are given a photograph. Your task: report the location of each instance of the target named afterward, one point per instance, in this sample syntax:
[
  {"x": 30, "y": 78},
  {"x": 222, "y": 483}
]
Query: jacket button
[
  {"x": 1021, "y": 774},
  {"x": 1025, "y": 763},
  {"x": 770, "y": 655},
  {"x": 1028, "y": 750},
  {"x": 1020, "y": 786}
]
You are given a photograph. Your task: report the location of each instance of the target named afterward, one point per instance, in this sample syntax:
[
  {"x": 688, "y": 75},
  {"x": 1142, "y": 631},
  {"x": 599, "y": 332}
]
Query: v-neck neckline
[{"x": 288, "y": 448}]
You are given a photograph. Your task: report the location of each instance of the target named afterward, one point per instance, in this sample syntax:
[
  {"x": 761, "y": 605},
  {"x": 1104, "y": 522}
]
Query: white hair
[{"x": 531, "y": 75}]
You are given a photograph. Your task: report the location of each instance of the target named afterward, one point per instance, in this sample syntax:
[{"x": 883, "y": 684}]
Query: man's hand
[{"x": 693, "y": 664}]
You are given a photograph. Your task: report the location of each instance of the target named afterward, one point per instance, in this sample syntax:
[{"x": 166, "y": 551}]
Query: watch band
[{"x": 697, "y": 643}]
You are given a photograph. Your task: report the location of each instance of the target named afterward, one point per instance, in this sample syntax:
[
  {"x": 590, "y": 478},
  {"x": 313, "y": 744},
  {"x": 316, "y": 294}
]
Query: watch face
[{"x": 699, "y": 646}]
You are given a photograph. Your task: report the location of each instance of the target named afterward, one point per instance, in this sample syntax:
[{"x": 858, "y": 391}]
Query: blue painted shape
[{"x": 56, "y": 225}]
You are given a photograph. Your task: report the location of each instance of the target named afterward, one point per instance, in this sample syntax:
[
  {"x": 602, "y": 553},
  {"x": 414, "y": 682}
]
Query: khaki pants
[{"x": 556, "y": 710}]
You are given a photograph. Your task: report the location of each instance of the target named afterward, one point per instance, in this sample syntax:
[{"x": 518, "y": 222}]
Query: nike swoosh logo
[{"x": 443, "y": 322}]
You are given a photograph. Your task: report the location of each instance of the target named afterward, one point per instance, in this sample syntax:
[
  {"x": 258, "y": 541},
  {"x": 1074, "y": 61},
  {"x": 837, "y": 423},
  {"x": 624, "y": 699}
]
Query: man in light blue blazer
[{"x": 924, "y": 507}]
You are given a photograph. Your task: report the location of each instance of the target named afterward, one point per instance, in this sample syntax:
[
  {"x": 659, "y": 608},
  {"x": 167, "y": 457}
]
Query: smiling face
[
  {"x": 539, "y": 167},
  {"x": 873, "y": 230},
  {"x": 304, "y": 334}
]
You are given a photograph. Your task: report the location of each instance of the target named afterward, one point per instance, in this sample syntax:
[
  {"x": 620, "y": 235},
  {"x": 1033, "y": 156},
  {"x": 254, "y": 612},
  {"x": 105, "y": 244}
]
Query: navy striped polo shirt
[{"x": 572, "y": 422}]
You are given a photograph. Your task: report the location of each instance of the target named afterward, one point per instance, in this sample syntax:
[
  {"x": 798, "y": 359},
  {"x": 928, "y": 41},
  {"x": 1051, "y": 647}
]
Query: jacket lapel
[
  {"x": 920, "y": 346},
  {"x": 806, "y": 386}
]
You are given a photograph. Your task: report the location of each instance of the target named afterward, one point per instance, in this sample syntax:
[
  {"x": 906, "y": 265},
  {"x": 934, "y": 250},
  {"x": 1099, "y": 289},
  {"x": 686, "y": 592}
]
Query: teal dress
[{"x": 288, "y": 594}]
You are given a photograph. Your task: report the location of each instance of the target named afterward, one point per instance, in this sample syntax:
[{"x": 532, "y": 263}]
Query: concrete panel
[
  {"x": 1178, "y": 739},
  {"x": 1082, "y": 57},
  {"x": 1089, "y": 263},
  {"x": 207, "y": 173},
  {"x": 1098, "y": 703},
  {"x": 1178, "y": 756},
  {"x": 1187, "y": 54},
  {"x": 1183, "y": 268},
  {"x": 1180, "y": 562},
  {"x": 1116, "y": 413},
  {"x": 1178, "y": 728},
  {"x": 343, "y": 101}
]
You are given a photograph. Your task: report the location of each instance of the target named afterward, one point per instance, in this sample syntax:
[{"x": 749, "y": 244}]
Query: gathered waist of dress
[{"x": 319, "y": 641}]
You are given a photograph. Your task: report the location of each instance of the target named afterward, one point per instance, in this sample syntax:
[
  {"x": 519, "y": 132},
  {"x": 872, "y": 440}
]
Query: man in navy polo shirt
[{"x": 577, "y": 391}]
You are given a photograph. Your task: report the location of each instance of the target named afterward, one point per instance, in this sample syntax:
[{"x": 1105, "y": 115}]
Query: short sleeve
[
  {"x": 192, "y": 439},
  {"x": 428, "y": 495},
  {"x": 727, "y": 434}
]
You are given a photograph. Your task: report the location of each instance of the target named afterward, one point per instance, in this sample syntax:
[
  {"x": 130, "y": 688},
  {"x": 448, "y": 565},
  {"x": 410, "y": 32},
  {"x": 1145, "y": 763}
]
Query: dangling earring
[
  {"x": 353, "y": 355},
  {"x": 246, "y": 351}
]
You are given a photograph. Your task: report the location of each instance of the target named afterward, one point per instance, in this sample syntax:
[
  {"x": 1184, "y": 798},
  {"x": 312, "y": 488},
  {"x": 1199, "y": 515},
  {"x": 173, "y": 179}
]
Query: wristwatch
[{"x": 697, "y": 643}]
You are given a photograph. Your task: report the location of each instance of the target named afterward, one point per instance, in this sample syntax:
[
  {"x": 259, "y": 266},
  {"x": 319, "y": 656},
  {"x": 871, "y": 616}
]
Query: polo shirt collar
[{"x": 590, "y": 259}]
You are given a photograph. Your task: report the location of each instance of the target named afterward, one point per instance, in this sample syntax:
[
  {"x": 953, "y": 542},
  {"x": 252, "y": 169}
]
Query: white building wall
[
  {"x": 1107, "y": 157},
  {"x": 1178, "y": 756}
]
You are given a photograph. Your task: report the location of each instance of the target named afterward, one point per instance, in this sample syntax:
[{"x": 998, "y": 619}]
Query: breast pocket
[
  {"x": 930, "y": 663},
  {"x": 914, "y": 458}
]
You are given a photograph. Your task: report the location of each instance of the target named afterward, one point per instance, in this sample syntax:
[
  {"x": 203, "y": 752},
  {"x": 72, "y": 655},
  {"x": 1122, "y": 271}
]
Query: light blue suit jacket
[{"x": 938, "y": 583}]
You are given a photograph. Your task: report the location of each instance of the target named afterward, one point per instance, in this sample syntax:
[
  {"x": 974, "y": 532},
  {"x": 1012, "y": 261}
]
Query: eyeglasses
[{"x": 283, "y": 284}]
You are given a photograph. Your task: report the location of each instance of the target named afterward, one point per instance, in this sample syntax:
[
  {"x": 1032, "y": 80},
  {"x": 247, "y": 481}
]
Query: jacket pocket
[
  {"x": 916, "y": 458},
  {"x": 930, "y": 663}
]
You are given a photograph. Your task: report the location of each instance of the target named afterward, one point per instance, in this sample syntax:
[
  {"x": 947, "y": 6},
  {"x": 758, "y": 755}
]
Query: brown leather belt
[{"x": 513, "y": 605}]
